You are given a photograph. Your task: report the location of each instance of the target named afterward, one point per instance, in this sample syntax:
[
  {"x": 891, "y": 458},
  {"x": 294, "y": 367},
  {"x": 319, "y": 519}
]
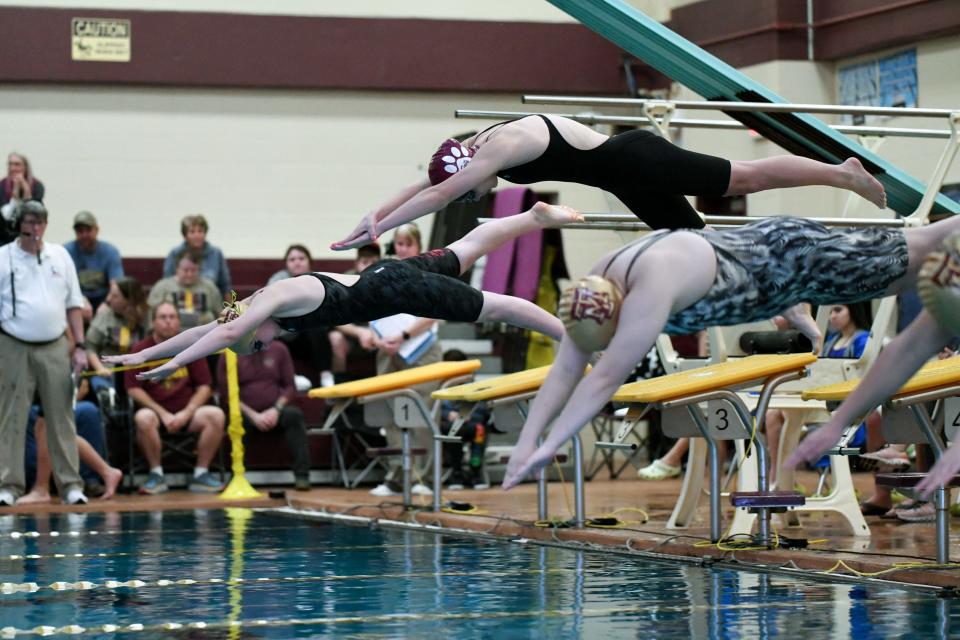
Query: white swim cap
[
  {"x": 939, "y": 283},
  {"x": 589, "y": 311}
]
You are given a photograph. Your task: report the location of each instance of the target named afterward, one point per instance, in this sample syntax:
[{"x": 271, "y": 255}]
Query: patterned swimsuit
[{"x": 768, "y": 266}]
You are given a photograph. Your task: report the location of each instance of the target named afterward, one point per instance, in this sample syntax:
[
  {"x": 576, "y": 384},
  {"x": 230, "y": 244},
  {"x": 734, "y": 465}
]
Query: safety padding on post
[{"x": 239, "y": 488}]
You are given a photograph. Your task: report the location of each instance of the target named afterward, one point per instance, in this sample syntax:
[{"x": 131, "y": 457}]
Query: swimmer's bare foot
[
  {"x": 36, "y": 496},
  {"x": 864, "y": 184},
  {"x": 110, "y": 482},
  {"x": 554, "y": 215}
]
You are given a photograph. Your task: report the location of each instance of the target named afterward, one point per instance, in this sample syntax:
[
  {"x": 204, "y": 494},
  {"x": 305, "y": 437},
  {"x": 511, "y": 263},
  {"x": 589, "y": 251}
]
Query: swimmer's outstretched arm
[
  {"x": 167, "y": 348},
  {"x": 224, "y": 335},
  {"x": 899, "y": 360},
  {"x": 642, "y": 318},
  {"x": 365, "y": 228},
  {"x": 560, "y": 383},
  {"x": 274, "y": 299},
  {"x": 418, "y": 200}
]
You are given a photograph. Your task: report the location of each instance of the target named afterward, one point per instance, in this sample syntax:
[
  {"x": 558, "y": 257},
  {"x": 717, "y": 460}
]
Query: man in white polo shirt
[{"x": 39, "y": 295}]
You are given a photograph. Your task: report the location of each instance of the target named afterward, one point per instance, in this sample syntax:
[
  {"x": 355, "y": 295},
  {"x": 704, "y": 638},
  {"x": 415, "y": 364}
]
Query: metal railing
[
  {"x": 766, "y": 107},
  {"x": 658, "y": 114},
  {"x": 629, "y": 222},
  {"x": 680, "y": 123}
]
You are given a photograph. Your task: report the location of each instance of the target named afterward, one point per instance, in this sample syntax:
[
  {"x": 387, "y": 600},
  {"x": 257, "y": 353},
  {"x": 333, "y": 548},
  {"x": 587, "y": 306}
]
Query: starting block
[
  {"x": 906, "y": 420},
  {"x": 678, "y": 395},
  {"x": 508, "y": 398},
  {"x": 389, "y": 399}
]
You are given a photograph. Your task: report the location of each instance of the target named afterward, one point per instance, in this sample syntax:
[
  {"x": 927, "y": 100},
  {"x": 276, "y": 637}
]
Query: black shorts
[
  {"x": 653, "y": 176},
  {"x": 426, "y": 286}
]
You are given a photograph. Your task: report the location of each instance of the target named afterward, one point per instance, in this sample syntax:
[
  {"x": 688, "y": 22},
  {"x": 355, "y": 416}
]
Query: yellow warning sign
[{"x": 100, "y": 39}]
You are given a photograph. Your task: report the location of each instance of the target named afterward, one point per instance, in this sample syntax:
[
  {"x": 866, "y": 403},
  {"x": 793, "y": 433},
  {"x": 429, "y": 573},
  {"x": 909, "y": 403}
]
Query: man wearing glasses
[{"x": 39, "y": 296}]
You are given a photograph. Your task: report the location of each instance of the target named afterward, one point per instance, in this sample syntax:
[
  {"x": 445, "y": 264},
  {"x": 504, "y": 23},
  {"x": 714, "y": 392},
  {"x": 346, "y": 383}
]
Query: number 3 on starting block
[{"x": 723, "y": 423}]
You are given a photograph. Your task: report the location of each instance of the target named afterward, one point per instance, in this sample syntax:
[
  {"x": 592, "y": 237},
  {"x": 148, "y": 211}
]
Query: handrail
[
  {"x": 590, "y": 119},
  {"x": 629, "y": 222},
  {"x": 743, "y": 106}
]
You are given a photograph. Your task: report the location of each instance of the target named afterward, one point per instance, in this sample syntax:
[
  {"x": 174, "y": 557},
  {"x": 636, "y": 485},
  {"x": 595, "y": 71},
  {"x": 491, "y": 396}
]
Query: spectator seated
[{"x": 170, "y": 409}]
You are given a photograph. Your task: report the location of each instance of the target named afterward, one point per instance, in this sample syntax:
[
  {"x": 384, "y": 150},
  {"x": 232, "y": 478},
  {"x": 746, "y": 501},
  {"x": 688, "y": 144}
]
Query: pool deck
[{"x": 893, "y": 544}]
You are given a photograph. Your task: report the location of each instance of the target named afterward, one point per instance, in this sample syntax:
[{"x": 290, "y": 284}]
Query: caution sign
[{"x": 100, "y": 40}]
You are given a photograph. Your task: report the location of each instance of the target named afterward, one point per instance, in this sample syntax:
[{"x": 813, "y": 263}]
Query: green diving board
[{"x": 688, "y": 64}]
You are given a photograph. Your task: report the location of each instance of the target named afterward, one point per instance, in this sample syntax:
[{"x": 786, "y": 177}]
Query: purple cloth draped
[{"x": 514, "y": 267}]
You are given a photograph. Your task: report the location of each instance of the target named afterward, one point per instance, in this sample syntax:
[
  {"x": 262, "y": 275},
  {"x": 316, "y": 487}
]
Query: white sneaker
[
  {"x": 421, "y": 489},
  {"x": 7, "y": 499},
  {"x": 326, "y": 379},
  {"x": 383, "y": 491},
  {"x": 658, "y": 470},
  {"x": 75, "y": 496}
]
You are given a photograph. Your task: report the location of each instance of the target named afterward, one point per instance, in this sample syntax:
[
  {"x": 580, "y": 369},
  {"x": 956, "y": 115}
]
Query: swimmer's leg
[
  {"x": 750, "y": 176},
  {"x": 520, "y": 313},
  {"x": 487, "y": 237}
]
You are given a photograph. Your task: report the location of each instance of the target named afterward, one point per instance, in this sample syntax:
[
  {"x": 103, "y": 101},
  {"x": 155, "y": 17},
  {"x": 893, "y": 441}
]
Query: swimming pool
[{"x": 243, "y": 574}]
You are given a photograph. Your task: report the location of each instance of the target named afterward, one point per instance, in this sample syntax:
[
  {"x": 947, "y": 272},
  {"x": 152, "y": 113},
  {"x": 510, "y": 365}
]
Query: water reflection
[{"x": 304, "y": 578}]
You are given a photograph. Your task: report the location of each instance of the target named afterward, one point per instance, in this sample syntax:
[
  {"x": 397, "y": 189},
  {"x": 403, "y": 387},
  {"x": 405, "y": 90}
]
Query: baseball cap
[{"x": 85, "y": 219}]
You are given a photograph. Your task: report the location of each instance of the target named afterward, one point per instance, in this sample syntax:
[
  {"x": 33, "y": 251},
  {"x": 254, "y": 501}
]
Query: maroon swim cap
[{"x": 452, "y": 157}]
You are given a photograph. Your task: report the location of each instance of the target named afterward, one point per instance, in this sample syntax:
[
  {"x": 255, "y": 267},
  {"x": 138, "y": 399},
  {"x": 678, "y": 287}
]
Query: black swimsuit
[
  {"x": 425, "y": 286},
  {"x": 649, "y": 174}
]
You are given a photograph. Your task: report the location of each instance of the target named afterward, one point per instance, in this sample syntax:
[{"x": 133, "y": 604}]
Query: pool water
[{"x": 243, "y": 574}]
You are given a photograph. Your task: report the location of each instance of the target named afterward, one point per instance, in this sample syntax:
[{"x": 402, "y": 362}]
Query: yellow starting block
[
  {"x": 933, "y": 376},
  {"x": 390, "y": 399},
  {"x": 906, "y": 420},
  {"x": 508, "y": 398},
  {"x": 728, "y": 418}
]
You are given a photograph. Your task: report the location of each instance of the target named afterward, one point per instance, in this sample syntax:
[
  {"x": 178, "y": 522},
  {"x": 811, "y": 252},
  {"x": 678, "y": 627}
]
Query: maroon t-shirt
[
  {"x": 174, "y": 392},
  {"x": 263, "y": 377}
]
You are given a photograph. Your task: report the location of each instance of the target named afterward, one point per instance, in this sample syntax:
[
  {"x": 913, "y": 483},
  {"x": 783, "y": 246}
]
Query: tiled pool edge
[{"x": 663, "y": 546}]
